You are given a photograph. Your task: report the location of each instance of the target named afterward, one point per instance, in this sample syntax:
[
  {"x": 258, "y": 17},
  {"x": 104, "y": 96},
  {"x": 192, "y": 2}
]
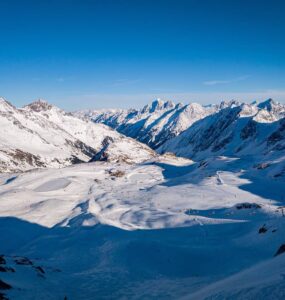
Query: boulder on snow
[
  {"x": 247, "y": 205},
  {"x": 262, "y": 229}
]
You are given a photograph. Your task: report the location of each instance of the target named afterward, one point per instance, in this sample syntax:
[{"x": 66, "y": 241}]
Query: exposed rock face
[
  {"x": 39, "y": 106},
  {"x": 249, "y": 130},
  {"x": 125, "y": 150}
]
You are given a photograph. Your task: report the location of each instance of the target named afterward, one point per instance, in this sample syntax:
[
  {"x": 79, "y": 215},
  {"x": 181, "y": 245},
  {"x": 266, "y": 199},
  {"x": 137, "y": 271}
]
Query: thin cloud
[{"x": 215, "y": 82}]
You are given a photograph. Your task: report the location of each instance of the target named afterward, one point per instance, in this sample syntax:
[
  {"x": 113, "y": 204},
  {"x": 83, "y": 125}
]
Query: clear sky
[{"x": 83, "y": 53}]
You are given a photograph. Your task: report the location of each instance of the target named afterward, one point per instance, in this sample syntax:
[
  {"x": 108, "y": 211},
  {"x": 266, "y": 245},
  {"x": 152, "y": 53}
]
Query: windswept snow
[
  {"x": 53, "y": 185},
  {"x": 166, "y": 228}
]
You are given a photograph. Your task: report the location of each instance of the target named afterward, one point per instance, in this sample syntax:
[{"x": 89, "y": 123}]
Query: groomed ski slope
[{"x": 167, "y": 228}]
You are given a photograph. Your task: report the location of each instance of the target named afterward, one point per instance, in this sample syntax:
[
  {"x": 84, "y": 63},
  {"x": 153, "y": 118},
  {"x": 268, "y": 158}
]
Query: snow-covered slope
[
  {"x": 165, "y": 228},
  {"x": 153, "y": 124},
  {"x": 194, "y": 131},
  {"x": 42, "y": 135},
  {"x": 262, "y": 281},
  {"x": 239, "y": 130},
  {"x": 207, "y": 231}
]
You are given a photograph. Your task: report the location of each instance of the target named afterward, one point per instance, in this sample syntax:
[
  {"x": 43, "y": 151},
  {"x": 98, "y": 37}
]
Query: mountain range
[
  {"x": 235, "y": 129},
  {"x": 170, "y": 201},
  {"x": 42, "y": 135}
]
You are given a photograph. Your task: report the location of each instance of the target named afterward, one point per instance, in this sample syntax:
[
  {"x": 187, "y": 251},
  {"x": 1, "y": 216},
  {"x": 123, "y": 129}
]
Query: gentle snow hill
[
  {"x": 42, "y": 135},
  {"x": 153, "y": 124},
  {"x": 163, "y": 229}
]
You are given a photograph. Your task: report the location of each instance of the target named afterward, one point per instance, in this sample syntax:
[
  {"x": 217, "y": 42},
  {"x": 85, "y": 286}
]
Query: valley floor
[{"x": 168, "y": 228}]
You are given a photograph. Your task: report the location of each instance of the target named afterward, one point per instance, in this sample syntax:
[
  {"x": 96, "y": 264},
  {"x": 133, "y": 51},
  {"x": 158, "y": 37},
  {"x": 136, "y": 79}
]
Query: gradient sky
[{"x": 83, "y": 53}]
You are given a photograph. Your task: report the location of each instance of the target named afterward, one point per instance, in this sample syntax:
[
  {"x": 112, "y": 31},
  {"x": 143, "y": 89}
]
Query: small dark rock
[
  {"x": 262, "y": 166},
  {"x": 4, "y": 285},
  {"x": 246, "y": 205},
  {"x": 262, "y": 229},
  {"x": 2, "y": 260},
  {"x": 6, "y": 269},
  {"x": 280, "y": 250},
  {"x": 203, "y": 164},
  {"x": 116, "y": 173},
  {"x": 40, "y": 269},
  {"x": 23, "y": 261}
]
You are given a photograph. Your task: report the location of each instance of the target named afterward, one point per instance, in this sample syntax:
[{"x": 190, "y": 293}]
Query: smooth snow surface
[{"x": 167, "y": 228}]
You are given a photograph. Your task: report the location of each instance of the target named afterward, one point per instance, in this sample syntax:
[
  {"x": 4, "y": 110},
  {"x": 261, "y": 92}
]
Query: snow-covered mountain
[
  {"x": 169, "y": 227},
  {"x": 154, "y": 124},
  {"x": 42, "y": 135},
  {"x": 198, "y": 132},
  {"x": 236, "y": 130}
]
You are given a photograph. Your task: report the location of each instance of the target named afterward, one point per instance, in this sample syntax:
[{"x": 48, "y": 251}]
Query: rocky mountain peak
[
  {"x": 231, "y": 103},
  {"x": 39, "y": 105},
  {"x": 159, "y": 104},
  {"x": 5, "y": 105},
  {"x": 273, "y": 107},
  {"x": 267, "y": 104}
]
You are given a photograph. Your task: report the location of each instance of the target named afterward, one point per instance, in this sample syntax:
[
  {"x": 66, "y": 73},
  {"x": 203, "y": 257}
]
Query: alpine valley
[{"x": 170, "y": 201}]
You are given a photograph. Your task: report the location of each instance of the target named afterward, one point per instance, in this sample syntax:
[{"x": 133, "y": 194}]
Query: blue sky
[{"x": 83, "y": 53}]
